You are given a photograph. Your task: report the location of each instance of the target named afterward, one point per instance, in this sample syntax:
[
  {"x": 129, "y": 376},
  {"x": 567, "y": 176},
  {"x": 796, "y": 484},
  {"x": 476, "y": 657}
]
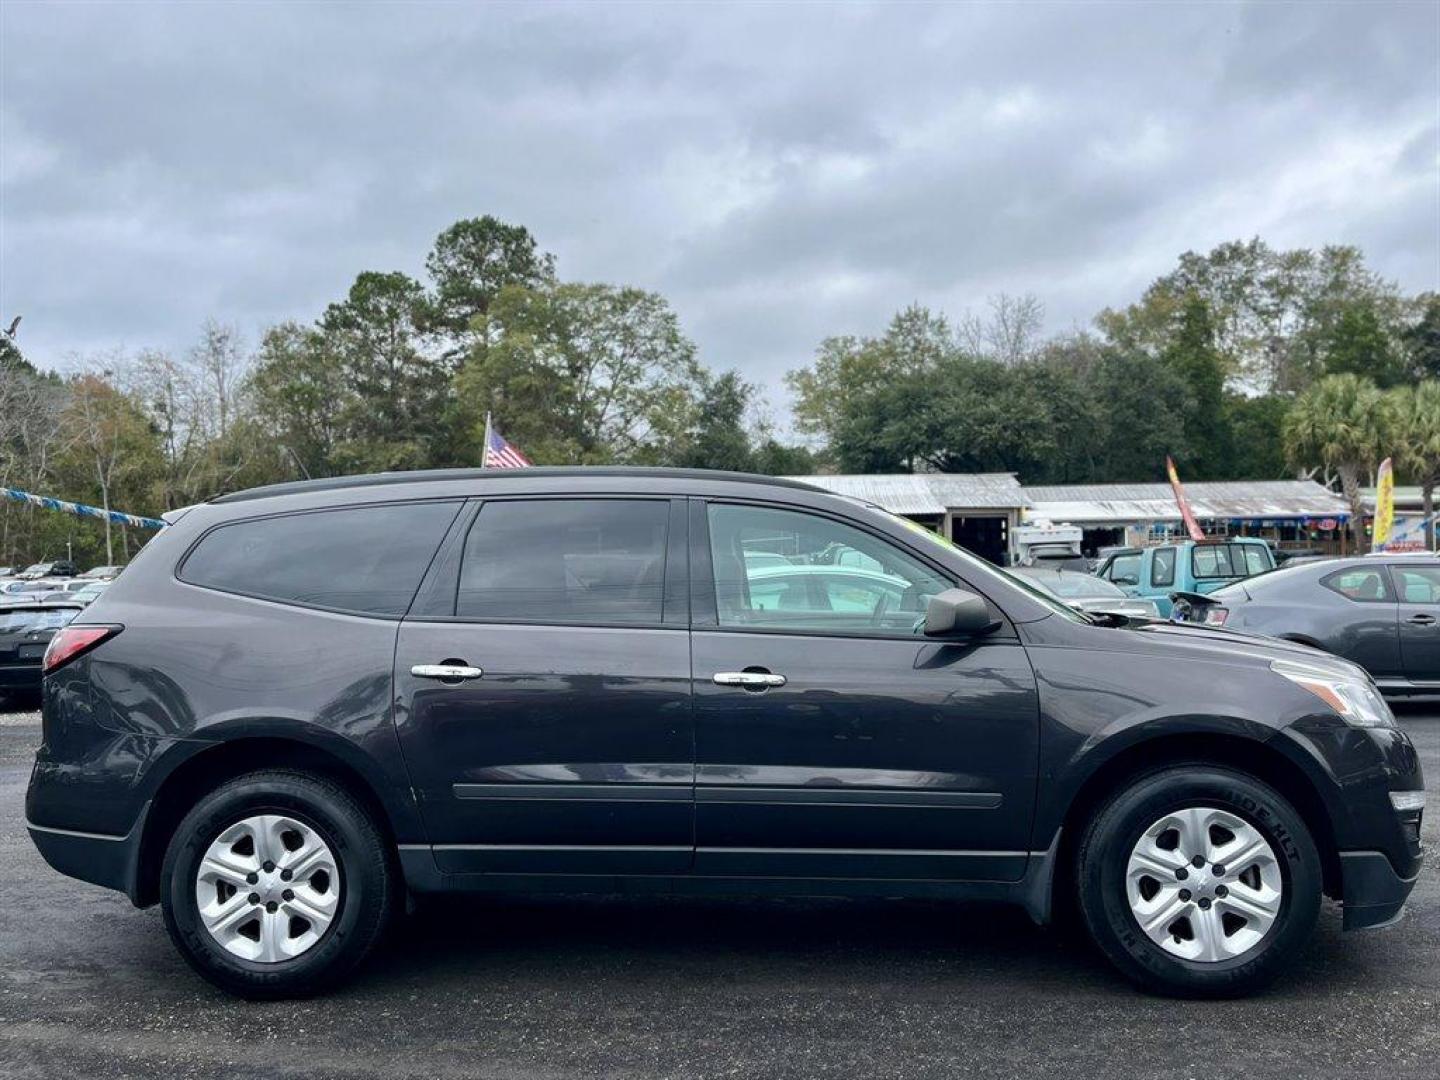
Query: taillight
[
  {"x": 70, "y": 642},
  {"x": 1216, "y": 616}
]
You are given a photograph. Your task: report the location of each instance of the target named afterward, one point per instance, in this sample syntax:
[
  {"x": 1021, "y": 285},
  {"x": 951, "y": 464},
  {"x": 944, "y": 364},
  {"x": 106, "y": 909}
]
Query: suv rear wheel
[
  {"x": 276, "y": 884},
  {"x": 1199, "y": 881}
]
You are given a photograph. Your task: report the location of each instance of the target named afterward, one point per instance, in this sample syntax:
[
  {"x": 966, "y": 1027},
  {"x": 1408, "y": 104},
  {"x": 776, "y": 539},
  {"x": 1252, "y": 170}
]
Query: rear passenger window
[
  {"x": 1364, "y": 584},
  {"x": 1162, "y": 572},
  {"x": 364, "y": 559},
  {"x": 1213, "y": 562},
  {"x": 574, "y": 561}
]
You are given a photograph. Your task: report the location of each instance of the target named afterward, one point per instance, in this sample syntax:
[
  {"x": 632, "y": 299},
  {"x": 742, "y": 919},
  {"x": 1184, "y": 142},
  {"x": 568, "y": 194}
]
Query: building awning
[
  {"x": 1238, "y": 500},
  {"x": 927, "y": 494}
]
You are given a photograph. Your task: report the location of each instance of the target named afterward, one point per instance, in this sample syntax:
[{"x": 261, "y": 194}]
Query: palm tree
[
  {"x": 1415, "y": 413},
  {"x": 1340, "y": 422}
]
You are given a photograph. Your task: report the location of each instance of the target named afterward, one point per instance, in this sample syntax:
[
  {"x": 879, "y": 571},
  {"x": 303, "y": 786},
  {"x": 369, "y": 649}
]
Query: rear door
[
  {"x": 1417, "y": 587},
  {"x": 832, "y": 739},
  {"x": 542, "y": 690}
]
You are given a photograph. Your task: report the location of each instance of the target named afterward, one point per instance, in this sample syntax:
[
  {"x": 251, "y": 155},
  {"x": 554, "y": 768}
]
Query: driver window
[{"x": 783, "y": 569}]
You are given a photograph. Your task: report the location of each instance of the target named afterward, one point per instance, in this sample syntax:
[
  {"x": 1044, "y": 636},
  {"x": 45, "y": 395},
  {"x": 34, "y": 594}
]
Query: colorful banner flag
[
  {"x": 45, "y": 502},
  {"x": 1191, "y": 525},
  {"x": 1384, "y": 523}
]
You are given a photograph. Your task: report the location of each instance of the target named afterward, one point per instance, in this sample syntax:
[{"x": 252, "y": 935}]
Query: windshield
[
  {"x": 1078, "y": 586},
  {"x": 48, "y": 619},
  {"x": 981, "y": 571}
]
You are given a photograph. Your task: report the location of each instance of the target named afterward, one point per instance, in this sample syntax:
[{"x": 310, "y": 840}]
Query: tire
[
  {"x": 318, "y": 929},
  {"x": 1248, "y": 931}
]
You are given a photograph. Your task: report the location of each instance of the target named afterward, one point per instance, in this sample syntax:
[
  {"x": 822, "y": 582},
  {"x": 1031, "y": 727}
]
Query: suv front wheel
[
  {"x": 1199, "y": 881},
  {"x": 276, "y": 884}
]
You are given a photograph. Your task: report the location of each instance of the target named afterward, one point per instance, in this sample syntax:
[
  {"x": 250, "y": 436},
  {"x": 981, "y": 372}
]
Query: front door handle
[
  {"x": 446, "y": 672},
  {"x": 753, "y": 680},
  {"x": 1421, "y": 620}
]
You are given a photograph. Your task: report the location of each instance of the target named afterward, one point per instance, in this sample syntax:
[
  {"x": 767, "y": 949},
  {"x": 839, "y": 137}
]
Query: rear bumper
[
  {"x": 20, "y": 677},
  {"x": 1374, "y": 894},
  {"x": 109, "y": 861}
]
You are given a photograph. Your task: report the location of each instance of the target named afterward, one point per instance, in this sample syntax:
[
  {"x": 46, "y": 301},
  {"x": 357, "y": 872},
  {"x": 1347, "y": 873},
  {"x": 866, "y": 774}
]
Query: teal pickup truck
[{"x": 1187, "y": 566}]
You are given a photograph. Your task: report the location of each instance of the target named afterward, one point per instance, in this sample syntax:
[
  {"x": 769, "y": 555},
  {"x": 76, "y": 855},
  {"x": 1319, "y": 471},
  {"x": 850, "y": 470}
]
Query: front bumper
[{"x": 1374, "y": 894}]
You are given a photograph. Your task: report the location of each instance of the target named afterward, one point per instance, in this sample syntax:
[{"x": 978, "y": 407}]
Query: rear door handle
[
  {"x": 448, "y": 672},
  {"x": 1421, "y": 620},
  {"x": 749, "y": 679}
]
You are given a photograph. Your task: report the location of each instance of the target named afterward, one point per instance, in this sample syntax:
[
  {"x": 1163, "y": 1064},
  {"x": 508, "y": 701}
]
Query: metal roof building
[
  {"x": 927, "y": 494},
  {"x": 1230, "y": 500},
  {"x": 980, "y": 511}
]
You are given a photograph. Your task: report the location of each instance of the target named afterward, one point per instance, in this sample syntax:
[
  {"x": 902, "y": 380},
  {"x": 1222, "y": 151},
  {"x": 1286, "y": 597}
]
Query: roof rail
[{"x": 417, "y": 476}]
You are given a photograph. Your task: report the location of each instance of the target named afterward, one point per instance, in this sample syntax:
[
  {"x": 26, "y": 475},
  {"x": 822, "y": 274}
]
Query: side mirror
[{"x": 957, "y": 612}]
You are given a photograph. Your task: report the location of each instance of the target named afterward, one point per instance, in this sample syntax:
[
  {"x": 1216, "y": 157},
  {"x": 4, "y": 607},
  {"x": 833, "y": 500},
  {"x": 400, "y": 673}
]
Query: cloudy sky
[{"x": 781, "y": 172}]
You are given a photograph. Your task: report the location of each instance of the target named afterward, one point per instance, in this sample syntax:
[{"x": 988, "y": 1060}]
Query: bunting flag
[
  {"x": 1384, "y": 523},
  {"x": 44, "y": 502},
  {"x": 1191, "y": 525}
]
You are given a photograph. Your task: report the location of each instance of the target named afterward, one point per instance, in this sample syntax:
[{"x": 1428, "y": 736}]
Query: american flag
[{"x": 499, "y": 454}]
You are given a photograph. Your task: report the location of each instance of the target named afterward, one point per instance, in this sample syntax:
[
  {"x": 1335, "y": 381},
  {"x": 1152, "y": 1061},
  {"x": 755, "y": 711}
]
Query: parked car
[
  {"x": 310, "y": 699},
  {"x": 102, "y": 573},
  {"x": 1187, "y": 566},
  {"x": 56, "y": 569},
  {"x": 27, "y": 587},
  {"x": 26, "y": 627},
  {"x": 1086, "y": 592},
  {"x": 1382, "y": 612},
  {"x": 90, "y": 591}
]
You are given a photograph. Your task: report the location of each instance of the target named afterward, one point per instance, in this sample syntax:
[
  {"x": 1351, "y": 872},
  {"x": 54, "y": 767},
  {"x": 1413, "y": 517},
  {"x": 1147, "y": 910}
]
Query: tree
[
  {"x": 220, "y": 362},
  {"x": 1415, "y": 413},
  {"x": 112, "y": 441},
  {"x": 1191, "y": 355},
  {"x": 1357, "y": 343},
  {"x": 1421, "y": 339},
  {"x": 720, "y": 439},
  {"x": 300, "y": 398},
  {"x": 393, "y": 389},
  {"x": 583, "y": 374},
  {"x": 471, "y": 262},
  {"x": 1339, "y": 423}
]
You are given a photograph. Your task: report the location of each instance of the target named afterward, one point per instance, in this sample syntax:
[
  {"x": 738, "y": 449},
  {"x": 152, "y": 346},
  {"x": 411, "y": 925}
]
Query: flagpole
[{"x": 485, "y": 450}]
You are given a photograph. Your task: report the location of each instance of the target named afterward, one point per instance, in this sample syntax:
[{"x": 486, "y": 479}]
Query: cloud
[{"x": 781, "y": 173}]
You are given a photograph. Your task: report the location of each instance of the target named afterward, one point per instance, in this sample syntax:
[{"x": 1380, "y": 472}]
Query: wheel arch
[
  {"x": 205, "y": 770},
  {"x": 1251, "y": 756}
]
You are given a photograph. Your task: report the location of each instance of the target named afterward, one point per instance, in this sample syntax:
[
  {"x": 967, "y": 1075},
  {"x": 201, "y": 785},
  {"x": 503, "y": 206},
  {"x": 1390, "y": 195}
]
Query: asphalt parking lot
[{"x": 649, "y": 988}]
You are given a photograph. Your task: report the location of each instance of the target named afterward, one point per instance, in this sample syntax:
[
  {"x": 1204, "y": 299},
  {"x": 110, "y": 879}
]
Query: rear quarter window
[
  {"x": 1366, "y": 584},
  {"x": 367, "y": 559}
]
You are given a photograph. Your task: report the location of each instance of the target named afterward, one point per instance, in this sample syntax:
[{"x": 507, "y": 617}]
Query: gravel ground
[{"x": 654, "y": 988}]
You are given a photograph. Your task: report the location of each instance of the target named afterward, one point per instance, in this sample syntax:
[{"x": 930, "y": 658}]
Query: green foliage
[
  {"x": 471, "y": 262},
  {"x": 1341, "y": 422},
  {"x": 1414, "y": 413},
  {"x": 582, "y": 374},
  {"x": 1421, "y": 340}
]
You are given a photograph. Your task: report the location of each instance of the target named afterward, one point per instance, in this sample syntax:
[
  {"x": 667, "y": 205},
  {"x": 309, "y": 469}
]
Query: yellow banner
[{"x": 1384, "y": 506}]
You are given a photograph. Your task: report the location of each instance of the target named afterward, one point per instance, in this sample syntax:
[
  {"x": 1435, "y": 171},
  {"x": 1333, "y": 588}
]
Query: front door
[
  {"x": 1417, "y": 587},
  {"x": 544, "y": 710},
  {"x": 832, "y": 740}
]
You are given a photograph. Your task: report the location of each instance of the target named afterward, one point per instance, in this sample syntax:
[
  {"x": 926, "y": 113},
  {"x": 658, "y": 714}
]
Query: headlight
[{"x": 1354, "y": 697}]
